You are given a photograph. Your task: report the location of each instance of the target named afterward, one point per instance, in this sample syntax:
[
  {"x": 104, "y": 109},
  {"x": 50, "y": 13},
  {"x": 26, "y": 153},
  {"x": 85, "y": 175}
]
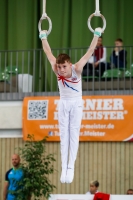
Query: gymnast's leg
[
  {"x": 63, "y": 118},
  {"x": 75, "y": 123}
]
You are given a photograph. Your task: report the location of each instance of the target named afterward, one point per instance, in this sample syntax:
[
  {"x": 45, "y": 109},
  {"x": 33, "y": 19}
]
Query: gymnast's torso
[{"x": 70, "y": 87}]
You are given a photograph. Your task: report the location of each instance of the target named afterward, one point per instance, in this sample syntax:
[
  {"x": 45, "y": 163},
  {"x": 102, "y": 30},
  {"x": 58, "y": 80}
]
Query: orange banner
[{"x": 105, "y": 118}]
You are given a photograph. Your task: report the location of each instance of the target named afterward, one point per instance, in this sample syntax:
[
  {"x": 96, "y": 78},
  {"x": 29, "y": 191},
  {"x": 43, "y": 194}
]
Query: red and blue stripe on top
[{"x": 65, "y": 80}]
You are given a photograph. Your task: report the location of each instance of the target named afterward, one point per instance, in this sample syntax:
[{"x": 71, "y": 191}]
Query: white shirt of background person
[{"x": 92, "y": 59}]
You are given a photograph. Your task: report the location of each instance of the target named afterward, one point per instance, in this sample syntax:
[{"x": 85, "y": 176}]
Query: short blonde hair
[{"x": 95, "y": 183}]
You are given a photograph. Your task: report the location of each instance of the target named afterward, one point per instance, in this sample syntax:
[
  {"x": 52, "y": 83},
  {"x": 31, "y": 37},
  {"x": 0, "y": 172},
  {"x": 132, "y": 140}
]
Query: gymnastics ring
[
  {"x": 40, "y": 22},
  {"x": 89, "y": 20}
]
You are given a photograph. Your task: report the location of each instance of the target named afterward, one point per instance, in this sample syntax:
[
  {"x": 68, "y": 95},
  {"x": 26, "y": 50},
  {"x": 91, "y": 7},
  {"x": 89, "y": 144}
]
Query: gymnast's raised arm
[
  {"x": 47, "y": 50},
  {"x": 81, "y": 63}
]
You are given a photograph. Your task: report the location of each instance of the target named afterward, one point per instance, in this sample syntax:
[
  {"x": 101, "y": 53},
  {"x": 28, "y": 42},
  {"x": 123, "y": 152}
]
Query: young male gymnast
[{"x": 70, "y": 104}]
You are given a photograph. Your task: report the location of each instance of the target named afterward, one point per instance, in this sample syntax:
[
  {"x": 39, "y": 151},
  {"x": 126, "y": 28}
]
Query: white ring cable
[
  {"x": 44, "y": 16},
  {"x": 97, "y": 14}
]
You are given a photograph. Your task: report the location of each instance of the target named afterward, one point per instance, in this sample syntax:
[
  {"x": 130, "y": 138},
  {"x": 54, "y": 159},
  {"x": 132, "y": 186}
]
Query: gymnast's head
[{"x": 64, "y": 65}]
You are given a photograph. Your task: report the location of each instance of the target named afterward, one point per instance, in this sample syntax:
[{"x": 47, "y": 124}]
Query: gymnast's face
[{"x": 65, "y": 69}]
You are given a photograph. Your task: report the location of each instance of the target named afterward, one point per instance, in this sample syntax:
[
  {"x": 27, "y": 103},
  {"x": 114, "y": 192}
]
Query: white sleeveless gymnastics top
[{"x": 70, "y": 87}]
